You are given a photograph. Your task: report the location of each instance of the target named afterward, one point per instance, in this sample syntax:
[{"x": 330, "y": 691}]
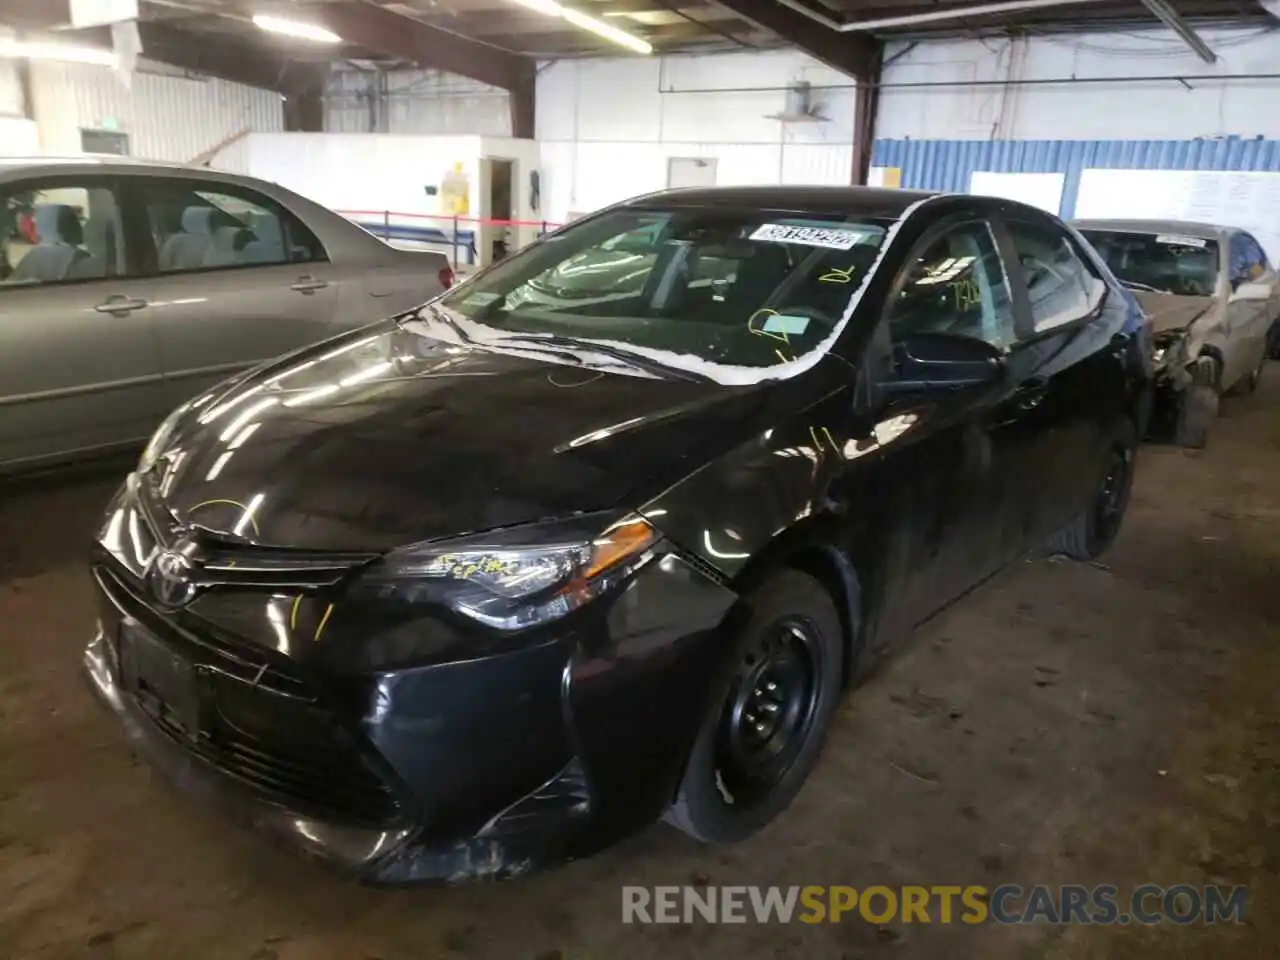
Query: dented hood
[
  {"x": 388, "y": 437},
  {"x": 1171, "y": 312}
]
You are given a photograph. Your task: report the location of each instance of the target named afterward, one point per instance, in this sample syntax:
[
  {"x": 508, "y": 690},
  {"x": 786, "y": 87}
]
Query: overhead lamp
[
  {"x": 295, "y": 28},
  {"x": 601, "y": 29},
  {"x": 64, "y": 52},
  {"x": 608, "y": 32}
]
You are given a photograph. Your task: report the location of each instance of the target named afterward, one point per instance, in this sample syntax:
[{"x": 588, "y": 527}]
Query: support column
[{"x": 866, "y": 108}]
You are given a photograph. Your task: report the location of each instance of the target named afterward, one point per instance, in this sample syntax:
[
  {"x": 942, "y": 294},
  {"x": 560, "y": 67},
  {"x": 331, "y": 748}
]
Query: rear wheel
[
  {"x": 764, "y": 730},
  {"x": 1090, "y": 534}
]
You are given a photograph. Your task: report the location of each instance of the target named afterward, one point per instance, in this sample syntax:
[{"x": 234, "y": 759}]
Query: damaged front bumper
[{"x": 604, "y": 719}]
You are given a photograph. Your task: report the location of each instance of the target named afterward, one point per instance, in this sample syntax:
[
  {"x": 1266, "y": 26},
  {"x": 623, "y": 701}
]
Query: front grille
[
  {"x": 206, "y": 643},
  {"x": 263, "y": 723},
  {"x": 223, "y": 561}
]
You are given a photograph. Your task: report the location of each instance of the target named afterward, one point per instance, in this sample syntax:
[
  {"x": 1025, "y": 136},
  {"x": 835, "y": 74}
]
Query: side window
[
  {"x": 1248, "y": 261},
  {"x": 58, "y": 233},
  {"x": 955, "y": 285},
  {"x": 1062, "y": 286},
  {"x": 200, "y": 226}
]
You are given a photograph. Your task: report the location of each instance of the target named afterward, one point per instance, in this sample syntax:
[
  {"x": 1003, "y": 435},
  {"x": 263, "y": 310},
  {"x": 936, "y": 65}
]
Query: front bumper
[{"x": 477, "y": 769}]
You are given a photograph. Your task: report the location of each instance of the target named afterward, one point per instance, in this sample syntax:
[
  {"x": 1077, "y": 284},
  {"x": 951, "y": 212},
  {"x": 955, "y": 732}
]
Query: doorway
[{"x": 501, "y": 207}]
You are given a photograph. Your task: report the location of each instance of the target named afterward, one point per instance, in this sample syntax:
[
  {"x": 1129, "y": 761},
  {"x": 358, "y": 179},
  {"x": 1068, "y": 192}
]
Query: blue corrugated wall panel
[{"x": 948, "y": 164}]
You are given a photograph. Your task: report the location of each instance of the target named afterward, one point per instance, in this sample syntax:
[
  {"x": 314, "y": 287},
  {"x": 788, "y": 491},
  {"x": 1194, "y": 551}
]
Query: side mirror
[
  {"x": 943, "y": 361},
  {"x": 1252, "y": 291}
]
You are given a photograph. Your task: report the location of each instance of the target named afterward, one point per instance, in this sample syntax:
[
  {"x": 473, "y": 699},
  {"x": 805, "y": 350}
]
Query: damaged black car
[{"x": 493, "y": 584}]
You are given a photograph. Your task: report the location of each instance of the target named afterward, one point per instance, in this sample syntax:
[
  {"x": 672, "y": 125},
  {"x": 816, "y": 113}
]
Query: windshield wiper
[{"x": 636, "y": 360}]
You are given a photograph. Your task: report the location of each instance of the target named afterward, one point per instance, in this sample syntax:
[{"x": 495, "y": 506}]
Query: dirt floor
[{"x": 1115, "y": 722}]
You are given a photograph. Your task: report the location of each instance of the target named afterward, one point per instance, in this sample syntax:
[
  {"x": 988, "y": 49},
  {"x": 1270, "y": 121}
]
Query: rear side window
[
  {"x": 1248, "y": 262},
  {"x": 201, "y": 226},
  {"x": 1062, "y": 287},
  {"x": 59, "y": 232}
]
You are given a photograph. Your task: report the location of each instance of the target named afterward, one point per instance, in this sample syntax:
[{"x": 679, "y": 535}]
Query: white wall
[
  {"x": 607, "y": 127},
  {"x": 1120, "y": 110},
  {"x": 167, "y": 116},
  {"x": 414, "y": 101},
  {"x": 362, "y": 171}
]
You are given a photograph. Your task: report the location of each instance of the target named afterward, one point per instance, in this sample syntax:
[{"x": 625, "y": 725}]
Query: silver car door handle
[
  {"x": 309, "y": 285},
  {"x": 120, "y": 305}
]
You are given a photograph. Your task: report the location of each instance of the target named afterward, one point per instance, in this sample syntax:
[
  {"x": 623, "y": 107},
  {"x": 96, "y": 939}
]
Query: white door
[{"x": 691, "y": 172}]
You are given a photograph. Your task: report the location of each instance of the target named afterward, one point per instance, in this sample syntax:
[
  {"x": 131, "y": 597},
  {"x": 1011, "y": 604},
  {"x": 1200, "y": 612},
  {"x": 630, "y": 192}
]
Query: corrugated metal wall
[
  {"x": 949, "y": 164},
  {"x": 167, "y": 116}
]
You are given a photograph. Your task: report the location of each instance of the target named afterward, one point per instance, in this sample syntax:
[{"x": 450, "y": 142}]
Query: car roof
[
  {"x": 1186, "y": 228},
  {"x": 866, "y": 201},
  {"x": 13, "y": 168}
]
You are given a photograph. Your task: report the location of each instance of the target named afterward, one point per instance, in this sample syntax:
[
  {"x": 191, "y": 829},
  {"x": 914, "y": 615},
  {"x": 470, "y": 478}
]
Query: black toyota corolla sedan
[{"x": 490, "y": 585}]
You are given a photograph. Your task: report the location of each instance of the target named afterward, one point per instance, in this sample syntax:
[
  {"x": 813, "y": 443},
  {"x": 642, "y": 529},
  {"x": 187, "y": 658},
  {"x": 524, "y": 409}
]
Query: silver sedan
[{"x": 126, "y": 288}]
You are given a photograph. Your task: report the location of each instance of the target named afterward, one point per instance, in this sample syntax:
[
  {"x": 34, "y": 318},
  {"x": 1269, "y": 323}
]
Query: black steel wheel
[{"x": 764, "y": 728}]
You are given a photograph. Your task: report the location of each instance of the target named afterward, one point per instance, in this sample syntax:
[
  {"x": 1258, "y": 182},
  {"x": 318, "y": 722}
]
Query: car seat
[
  {"x": 100, "y": 245},
  {"x": 186, "y": 250},
  {"x": 59, "y": 234},
  {"x": 268, "y": 247},
  {"x": 222, "y": 247}
]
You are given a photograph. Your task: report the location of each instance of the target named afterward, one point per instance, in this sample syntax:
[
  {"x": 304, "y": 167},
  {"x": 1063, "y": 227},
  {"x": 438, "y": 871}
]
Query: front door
[
  {"x": 236, "y": 280},
  {"x": 957, "y": 448},
  {"x": 79, "y": 366}
]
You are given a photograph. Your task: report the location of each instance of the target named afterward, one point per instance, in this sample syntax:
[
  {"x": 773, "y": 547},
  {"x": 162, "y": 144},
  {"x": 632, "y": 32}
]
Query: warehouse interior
[{"x": 1104, "y": 723}]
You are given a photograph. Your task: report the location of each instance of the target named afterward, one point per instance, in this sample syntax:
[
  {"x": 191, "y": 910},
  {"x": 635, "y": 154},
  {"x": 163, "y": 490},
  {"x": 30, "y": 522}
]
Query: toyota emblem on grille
[{"x": 171, "y": 578}]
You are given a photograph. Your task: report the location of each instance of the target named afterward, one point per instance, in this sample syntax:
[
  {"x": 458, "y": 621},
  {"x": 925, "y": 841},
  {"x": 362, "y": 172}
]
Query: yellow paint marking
[{"x": 323, "y": 621}]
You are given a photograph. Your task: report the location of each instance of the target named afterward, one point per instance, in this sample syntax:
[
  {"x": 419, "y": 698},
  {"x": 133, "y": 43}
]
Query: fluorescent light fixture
[
  {"x": 66, "y": 52},
  {"x": 295, "y": 28},
  {"x": 590, "y": 24},
  {"x": 602, "y": 29}
]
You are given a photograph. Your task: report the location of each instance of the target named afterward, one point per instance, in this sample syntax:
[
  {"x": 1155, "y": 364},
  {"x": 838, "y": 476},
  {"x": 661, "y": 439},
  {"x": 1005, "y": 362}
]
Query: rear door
[
  {"x": 235, "y": 279},
  {"x": 1070, "y": 357},
  {"x": 79, "y": 365}
]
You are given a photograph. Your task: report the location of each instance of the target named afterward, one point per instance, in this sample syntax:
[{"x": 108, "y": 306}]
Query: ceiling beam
[
  {"x": 850, "y": 53},
  {"x": 390, "y": 34},
  {"x": 1173, "y": 20},
  {"x": 213, "y": 57}
]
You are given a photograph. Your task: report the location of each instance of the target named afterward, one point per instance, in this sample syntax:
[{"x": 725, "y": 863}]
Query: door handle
[
  {"x": 120, "y": 305},
  {"x": 309, "y": 285},
  {"x": 1030, "y": 394}
]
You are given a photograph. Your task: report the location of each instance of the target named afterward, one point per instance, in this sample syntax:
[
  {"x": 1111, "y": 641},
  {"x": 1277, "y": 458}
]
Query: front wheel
[{"x": 764, "y": 730}]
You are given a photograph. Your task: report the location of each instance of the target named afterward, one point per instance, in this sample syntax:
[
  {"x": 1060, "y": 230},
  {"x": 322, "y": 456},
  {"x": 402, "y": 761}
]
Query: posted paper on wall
[{"x": 1042, "y": 190}]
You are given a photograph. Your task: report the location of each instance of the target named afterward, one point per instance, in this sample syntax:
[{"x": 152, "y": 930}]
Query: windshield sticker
[
  {"x": 1177, "y": 241},
  {"x": 833, "y": 238},
  {"x": 481, "y": 299},
  {"x": 787, "y": 325}
]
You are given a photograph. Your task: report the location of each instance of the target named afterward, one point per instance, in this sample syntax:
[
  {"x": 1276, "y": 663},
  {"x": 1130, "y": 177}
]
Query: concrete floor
[{"x": 1099, "y": 723}]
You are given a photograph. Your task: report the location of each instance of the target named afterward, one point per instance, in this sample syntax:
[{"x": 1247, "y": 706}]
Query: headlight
[
  {"x": 160, "y": 439},
  {"x": 521, "y": 577}
]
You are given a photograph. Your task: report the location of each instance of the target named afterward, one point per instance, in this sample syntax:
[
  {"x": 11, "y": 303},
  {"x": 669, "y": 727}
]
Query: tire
[
  {"x": 1198, "y": 406},
  {"x": 789, "y": 652},
  {"x": 1273, "y": 340},
  {"x": 1090, "y": 534}
]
